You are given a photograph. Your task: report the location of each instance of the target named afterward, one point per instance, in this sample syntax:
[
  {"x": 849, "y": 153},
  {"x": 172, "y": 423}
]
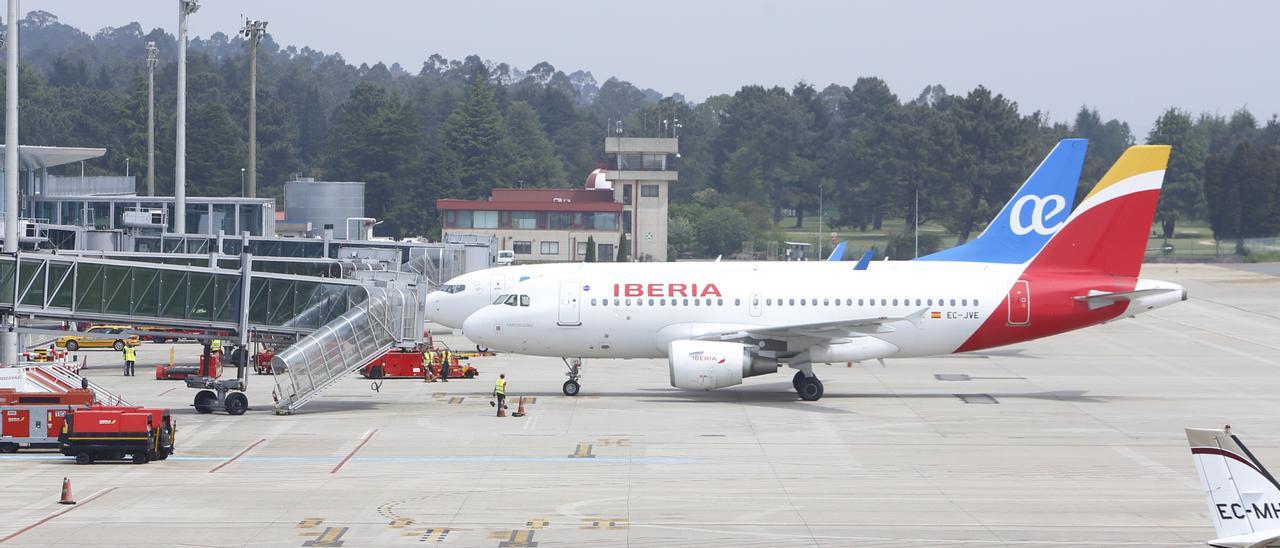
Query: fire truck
[{"x": 34, "y": 419}]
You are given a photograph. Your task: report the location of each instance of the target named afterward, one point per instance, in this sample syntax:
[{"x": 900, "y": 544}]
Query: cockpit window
[
  {"x": 512, "y": 300},
  {"x": 524, "y": 300},
  {"x": 501, "y": 299},
  {"x": 453, "y": 288}
]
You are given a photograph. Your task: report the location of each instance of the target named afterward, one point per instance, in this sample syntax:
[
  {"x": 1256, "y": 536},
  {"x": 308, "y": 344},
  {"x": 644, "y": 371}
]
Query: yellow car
[{"x": 99, "y": 336}]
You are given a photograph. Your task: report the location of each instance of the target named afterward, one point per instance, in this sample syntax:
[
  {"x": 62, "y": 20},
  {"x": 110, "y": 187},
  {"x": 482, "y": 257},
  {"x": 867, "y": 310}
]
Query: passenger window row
[{"x": 776, "y": 302}]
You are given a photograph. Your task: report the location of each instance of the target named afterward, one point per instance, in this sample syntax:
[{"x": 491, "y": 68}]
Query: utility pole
[
  {"x": 916, "y": 219},
  {"x": 8, "y": 338},
  {"x": 253, "y": 31},
  {"x": 152, "y": 50},
  {"x": 185, "y": 8}
]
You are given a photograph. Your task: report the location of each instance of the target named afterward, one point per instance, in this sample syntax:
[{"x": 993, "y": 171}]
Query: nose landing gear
[{"x": 571, "y": 386}]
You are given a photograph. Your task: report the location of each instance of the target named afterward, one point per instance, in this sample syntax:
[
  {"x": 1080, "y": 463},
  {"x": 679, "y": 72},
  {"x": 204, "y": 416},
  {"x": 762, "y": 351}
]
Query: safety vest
[
  {"x": 216, "y": 345},
  {"x": 501, "y": 387},
  {"x": 130, "y": 355},
  {"x": 426, "y": 358}
]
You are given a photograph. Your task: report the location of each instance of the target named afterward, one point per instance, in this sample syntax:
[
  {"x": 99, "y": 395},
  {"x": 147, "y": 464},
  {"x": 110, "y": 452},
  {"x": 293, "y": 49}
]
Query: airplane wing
[
  {"x": 1098, "y": 299},
  {"x": 1257, "y": 539},
  {"x": 841, "y": 329}
]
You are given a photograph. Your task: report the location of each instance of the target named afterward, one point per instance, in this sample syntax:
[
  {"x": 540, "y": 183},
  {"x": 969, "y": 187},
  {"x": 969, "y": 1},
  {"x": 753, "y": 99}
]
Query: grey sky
[{"x": 1130, "y": 59}]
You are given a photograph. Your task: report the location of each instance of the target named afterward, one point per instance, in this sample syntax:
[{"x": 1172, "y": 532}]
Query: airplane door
[
  {"x": 755, "y": 304},
  {"x": 497, "y": 282},
  {"x": 1020, "y": 303},
  {"x": 569, "y": 299}
]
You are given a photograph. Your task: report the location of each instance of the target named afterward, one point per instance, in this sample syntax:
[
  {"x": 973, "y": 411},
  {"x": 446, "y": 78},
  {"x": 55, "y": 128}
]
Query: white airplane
[
  {"x": 720, "y": 322},
  {"x": 1243, "y": 497},
  {"x": 1053, "y": 183}
]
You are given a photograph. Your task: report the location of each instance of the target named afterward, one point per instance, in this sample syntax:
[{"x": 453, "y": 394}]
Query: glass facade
[
  {"x": 532, "y": 220},
  {"x": 203, "y": 216}
]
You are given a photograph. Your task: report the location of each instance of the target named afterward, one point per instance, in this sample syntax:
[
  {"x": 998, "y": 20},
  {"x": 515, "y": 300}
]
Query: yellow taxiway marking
[
  {"x": 582, "y": 452},
  {"x": 331, "y": 536},
  {"x": 537, "y": 523},
  {"x": 310, "y": 522}
]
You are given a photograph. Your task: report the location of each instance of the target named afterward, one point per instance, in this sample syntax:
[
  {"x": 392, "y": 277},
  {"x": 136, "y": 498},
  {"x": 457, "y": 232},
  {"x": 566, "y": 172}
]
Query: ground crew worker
[
  {"x": 130, "y": 356},
  {"x": 445, "y": 358},
  {"x": 426, "y": 365},
  {"x": 500, "y": 390},
  {"x": 216, "y": 346}
]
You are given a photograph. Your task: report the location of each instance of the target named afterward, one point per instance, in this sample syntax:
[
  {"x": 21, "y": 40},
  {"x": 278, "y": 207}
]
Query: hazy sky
[{"x": 1129, "y": 59}]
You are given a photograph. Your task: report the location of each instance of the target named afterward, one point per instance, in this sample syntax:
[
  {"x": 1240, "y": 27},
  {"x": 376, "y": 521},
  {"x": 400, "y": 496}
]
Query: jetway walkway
[{"x": 66, "y": 287}]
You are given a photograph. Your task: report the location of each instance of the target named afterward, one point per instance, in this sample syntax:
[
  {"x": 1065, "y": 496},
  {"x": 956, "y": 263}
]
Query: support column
[{"x": 8, "y": 338}]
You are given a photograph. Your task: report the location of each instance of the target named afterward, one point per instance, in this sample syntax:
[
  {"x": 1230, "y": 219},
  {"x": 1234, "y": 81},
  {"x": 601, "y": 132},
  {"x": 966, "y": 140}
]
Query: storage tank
[{"x": 307, "y": 200}]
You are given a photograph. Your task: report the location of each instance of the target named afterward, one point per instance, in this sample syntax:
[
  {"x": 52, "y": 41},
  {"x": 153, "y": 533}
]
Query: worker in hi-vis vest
[
  {"x": 500, "y": 390},
  {"x": 426, "y": 365},
  {"x": 130, "y": 357},
  {"x": 445, "y": 358}
]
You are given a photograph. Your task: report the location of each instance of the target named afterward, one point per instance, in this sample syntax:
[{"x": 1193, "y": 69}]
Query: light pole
[
  {"x": 185, "y": 8},
  {"x": 242, "y": 182},
  {"x": 916, "y": 220},
  {"x": 9, "y": 339},
  {"x": 152, "y": 50},
  {"x": 253, "y": 31},
  {"x": 126, "y": 166},
  {"x": 819, "y": 257}
]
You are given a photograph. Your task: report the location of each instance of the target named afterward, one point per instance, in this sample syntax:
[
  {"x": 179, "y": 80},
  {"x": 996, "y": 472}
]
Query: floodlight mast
[
  {"x": 253, "y": 31},
  {"x": 8, "y": 337},
  {"x": 152, "y": 60},
  {"x": 185, "y": 8}
]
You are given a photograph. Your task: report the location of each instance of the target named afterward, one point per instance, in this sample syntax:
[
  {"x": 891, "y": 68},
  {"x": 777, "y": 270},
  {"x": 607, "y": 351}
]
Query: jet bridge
[{"x": 76, "y": 288}]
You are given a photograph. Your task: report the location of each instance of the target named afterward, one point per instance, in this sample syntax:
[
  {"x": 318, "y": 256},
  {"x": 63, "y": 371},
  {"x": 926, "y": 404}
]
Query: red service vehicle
[
  {"x": 31, "y": 426},
  {"x": 262, "y": 361},
  {"x": 211, "y": 368},
  {"x": 111, "y": 433},
  {"x": 402, "y": 363},
  {"x": 75, "y": 396}
]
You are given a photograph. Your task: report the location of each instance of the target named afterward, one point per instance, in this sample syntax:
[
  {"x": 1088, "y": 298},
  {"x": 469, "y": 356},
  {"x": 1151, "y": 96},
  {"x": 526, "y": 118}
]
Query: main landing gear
[
  {"x": 571, "y": 386},
  {"x": 807, "y": 386}
]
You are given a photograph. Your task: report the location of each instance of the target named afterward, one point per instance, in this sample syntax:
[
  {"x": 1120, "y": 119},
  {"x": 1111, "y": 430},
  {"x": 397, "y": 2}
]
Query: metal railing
[{"x": 389, "y": 316}]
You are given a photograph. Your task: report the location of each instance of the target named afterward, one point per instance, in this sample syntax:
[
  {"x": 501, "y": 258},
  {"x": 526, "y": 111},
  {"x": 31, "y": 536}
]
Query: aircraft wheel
[
  {"x": 481, "y": 349},
  {"x": 237, "y": 403},
  {"x": 795, "y": 381},
  {"x": 571, "y": 388},
  {"x": 205, "y": 401},
  {"x": 810, "y": 389}
]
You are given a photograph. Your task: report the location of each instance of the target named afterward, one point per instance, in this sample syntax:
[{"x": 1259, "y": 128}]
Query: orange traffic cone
[
  {"x": 519, "y": 408},
  {"x": 502, "y": 409},
  {"x": 66, "y": 492}
]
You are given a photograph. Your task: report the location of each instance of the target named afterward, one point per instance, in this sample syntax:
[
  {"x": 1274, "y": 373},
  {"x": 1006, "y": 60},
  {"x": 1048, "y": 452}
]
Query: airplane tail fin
[
  {"x": 1030, "y": 218},
  {"x": 1108, "y": 232},
  {"x": 1244, "y": 499}
]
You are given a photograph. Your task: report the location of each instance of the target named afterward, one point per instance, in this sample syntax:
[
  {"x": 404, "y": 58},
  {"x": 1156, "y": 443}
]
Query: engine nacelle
[{"x": 706, "y": 365}]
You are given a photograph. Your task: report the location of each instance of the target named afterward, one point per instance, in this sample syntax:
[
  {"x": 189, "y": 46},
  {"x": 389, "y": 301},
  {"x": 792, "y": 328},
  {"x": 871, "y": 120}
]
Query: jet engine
[{"x": 706, "y": 365}]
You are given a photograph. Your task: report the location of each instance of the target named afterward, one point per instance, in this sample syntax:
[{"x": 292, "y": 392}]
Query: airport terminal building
[{"x": 623, "y": 204}]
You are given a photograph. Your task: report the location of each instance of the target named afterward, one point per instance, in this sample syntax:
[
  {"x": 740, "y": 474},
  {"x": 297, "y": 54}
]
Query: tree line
[{"x": 458, "y": 128}]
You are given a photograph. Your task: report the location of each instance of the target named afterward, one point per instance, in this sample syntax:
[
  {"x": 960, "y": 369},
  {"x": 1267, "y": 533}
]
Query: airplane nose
[{"x": 478, "y": 326}]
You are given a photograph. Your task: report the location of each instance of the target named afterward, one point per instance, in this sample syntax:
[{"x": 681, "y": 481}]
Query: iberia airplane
[
  {"x": 1017, "y": 233},
  {"x": 717, "y": 323}
]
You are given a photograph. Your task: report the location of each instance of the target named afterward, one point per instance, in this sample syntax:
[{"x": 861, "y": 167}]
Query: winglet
[
  {"x": 865, "y": 261},
  {"x": 837, "y": 254}
]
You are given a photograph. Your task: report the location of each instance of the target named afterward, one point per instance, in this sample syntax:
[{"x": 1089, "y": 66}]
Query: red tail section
[
  {"x": 1100, "y": 248},
  {"x": 1108, "y": 233}
]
